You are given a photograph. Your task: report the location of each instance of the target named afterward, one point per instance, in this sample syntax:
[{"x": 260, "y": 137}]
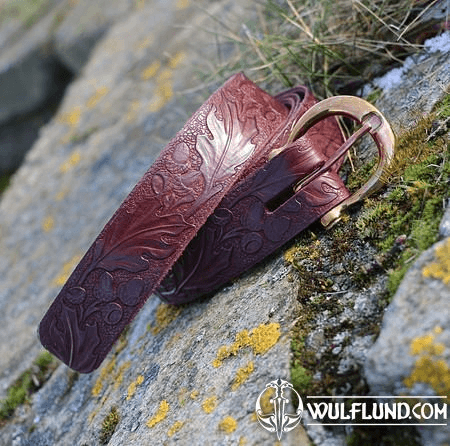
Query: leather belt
[{"x": 239, "y": 180}]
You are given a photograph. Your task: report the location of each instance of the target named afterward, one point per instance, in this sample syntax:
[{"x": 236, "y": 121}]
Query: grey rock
[
  {"x": 419, "y": 312},
  {"x": 110, "y": 127},
  {"x": 27, "y": 70},
  {"x": 84, "y": 25},
  {"x": 32, "y": 81},
  {"x": 418, "y": 316},
  {"x": 320, "y": 435},
  {"x": 427, "y": 71},
  {"x": 411, "y": 90}
]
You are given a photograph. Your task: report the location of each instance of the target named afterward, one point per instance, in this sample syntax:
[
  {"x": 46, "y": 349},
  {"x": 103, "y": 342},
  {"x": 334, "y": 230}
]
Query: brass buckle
[{"x": 372, "y": 122}]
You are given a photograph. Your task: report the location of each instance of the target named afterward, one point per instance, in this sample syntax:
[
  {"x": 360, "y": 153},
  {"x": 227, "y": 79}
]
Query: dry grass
[{"x": 333, "y": 46}]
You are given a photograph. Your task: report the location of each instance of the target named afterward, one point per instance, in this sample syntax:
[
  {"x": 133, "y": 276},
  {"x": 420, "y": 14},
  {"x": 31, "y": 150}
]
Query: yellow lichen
[
  {"x": 426, "y": 344},
  {"x": 432, "y": 371},
  {"x": 71, "y": 118},
  {"x": 160, "y": 414},
  {"x": 441, "y": 268},
  {"x": 133, "y": 386},
  {"x": 266, "y": 400},
  {"x": 430, "y": 368},
  {"x": 194, "y": 394},
  {"x": 62, "y": 194},
  {"x": 182, "y": 4},
  {"x": 175, "y": 61},
  {"x": 95, "y": 98},
  {"x": 163, "y": 92},
  {"x": 145, "y": 43},
  {"x": 165, "y": 314},
  {"x": 175, "y": 428},
  {"x": 253, "y": 417},
  {"x": 139, "y": 4},
  {"x": 260, "y": 340},
  {"x": 119, "y": 375},
  {"x": 48, "y": 223},
  {"x": 228, "y": 425},
  {"x": 133, "y": 110},
  {"x": 242, "y": 374},
  {"x": 67, "y": 269},
  {"x": 165, "y": 75},
  {"x": 150, "y": 70},
  {"x": 264, "y": 337},
  {"x": 104, "y": 373},
  {"x": 92, "y": 415},
  {"x": 71, "y": 162},
  {"x": 209, "y": 404},
  {"x": 242, "y": 441}
]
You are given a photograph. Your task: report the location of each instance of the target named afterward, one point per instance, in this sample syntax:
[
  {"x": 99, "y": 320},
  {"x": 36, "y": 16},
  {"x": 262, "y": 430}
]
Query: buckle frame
[{"x": 371, "y": 120}]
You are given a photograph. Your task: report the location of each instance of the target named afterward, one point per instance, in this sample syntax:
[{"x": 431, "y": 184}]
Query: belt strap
[{"x": 219, "y": 178}]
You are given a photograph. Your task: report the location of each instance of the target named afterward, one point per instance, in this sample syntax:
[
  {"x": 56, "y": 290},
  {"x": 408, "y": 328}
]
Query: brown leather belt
[{"x": 239, "y": 180}]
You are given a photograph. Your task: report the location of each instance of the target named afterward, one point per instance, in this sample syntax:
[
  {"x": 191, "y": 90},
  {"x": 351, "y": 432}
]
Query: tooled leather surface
[
  {"x": 150, "y": 230},
  {"x": 245, "y": 227}
]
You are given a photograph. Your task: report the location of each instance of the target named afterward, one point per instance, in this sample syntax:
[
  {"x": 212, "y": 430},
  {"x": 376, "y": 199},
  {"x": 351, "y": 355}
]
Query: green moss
[
  {"x": 5, "y": 179},
  {"x": 400, "y": 222},
  {"x": 412, "y": 207},
  {"x": 301, "y": 378},
  {"x": 28, "y": 382},
  {"x": 374, "y": 95},
  {"x": 109, "y": 425}
]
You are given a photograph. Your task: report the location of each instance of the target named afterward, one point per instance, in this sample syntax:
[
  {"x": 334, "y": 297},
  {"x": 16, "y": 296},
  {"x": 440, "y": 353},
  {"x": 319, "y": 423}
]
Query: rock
[
  {"x": 27, "y": 70},
  {"x": 83, "y": 27},
  {"x": 427, "y": 71},
  {"x": 129, "y": 100},
  {"x": 32, "y": 81},
  {"x": 411, "y": 355},
  {"x": 418, "y": 318},
  {"x": 163, "y": 382}
]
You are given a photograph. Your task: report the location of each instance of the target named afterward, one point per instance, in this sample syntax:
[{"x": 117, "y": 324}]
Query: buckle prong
[{"x": 371, "y": 121}]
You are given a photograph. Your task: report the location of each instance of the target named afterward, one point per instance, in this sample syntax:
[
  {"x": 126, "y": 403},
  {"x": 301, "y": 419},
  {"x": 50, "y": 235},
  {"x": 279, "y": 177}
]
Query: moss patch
[
  {"x": 5, "y": 180},
  {"x": 109, "y": 425},
  {"x": 398, "y": 223},
  {"x": 28, "y": 383}
]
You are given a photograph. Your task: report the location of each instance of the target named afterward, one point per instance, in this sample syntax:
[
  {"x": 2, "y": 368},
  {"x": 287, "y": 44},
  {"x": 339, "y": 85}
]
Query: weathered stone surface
[
  {"x": 32, "y": 79},
  {"x": 415, "y": 323},
  {"x": 114, "y": 120},
  {"x": 26, "y": 70},
  {"x": 418, "y": 319},
  {"x": 84, "y": 25},
  {"x": 137, "y": 90},
  {"x": 412, "y": 90}
]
